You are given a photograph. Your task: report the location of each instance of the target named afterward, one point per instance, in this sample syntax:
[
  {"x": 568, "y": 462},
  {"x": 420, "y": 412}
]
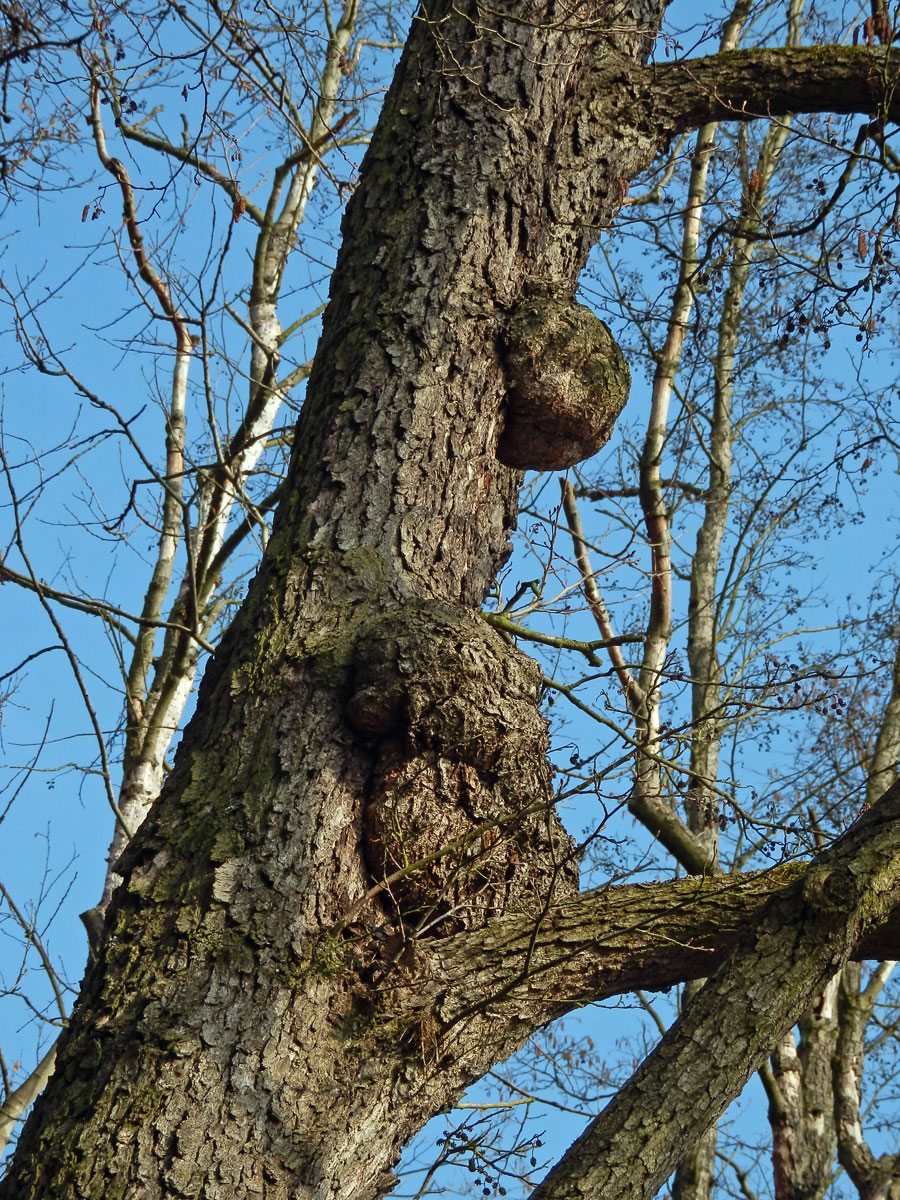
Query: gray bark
[
  {"x": 801, "y": 1102},
  {"x": 875, "y": 1177}
]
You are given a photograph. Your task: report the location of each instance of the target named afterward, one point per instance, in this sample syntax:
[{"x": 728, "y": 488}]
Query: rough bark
[
  {"x": 365, "y": 781},
  {"x": 695, "y": 1175},
  {"x": 359, "y": 715},
  {"x": 161, "y": 679},
  {"x": 748, "y": 84}
]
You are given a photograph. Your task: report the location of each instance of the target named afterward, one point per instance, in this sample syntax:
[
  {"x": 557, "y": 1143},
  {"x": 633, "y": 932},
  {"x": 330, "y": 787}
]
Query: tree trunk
[
  {"x": 801, "y": 1103},
  {"x": 237, "y": 1033}
]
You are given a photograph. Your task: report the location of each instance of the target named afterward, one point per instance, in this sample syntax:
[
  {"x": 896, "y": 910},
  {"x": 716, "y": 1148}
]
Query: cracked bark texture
[{"x": 249, "y": 1025}]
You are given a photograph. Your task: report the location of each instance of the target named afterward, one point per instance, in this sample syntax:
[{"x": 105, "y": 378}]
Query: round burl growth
[
  {"x": 458, "y": 812},
  {"x": 568, "y": 381}
]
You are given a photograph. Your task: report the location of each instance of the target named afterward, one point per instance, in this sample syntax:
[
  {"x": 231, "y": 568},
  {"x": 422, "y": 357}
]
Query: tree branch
[
  {"x": 26, "y": 1093},
  {"x": 613, "y": 940},
  {"x": 802, "y": 935},
  {"x": 747, "y": 84}
]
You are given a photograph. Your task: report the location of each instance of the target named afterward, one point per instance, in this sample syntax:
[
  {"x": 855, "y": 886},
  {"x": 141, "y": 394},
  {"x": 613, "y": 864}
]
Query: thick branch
[
  {"x": 613, "y": 940},
  {"x": 801, "y": 937},
  {"x": 747, "y": 84}
]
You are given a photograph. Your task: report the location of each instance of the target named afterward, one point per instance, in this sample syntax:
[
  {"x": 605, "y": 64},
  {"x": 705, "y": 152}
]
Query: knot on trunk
[
  {"x": 568, "y": 382},
  {"x": 459, "y": 816},
  {"x": 832, "y": 891}
]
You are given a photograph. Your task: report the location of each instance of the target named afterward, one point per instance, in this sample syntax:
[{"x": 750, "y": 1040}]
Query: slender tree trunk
[
  {"x": 814, "y": 1079},
  {"x": 876, "y": 1177},
  {"x": 801, "y": 1102}
]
